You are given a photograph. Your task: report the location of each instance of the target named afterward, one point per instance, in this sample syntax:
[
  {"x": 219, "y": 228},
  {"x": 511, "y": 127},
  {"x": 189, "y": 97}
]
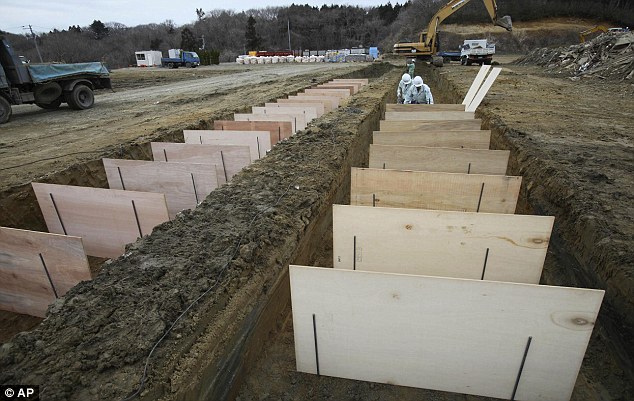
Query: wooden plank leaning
[
  {"x": 319, "y": 107},
  {"x": 424, "y": 107},
  {"x": 437, "y": 191},
  {"x": 418, "y": 125},
  {"x": 308, "y": 114},
  {"x": 449, "y": 160},
  {"x": 185, "y": 185},
  {"x": 483, "y": 90},
  {"x": 278, "y": 130},
  {"x": 476, "y": 139},
  {"x": 479, "y": 246},
  {"x": 428, "y": 115},
  {"x": 37, "y": 268},
  {"x": 475, "y": 85},
  {"x": 330, "y": 102},
  {"x": 297, "y": 121},
  {"x": 105, "y": 219},
  {"x": 488, "y": 338},
  {"x": 259, "y": 142}
]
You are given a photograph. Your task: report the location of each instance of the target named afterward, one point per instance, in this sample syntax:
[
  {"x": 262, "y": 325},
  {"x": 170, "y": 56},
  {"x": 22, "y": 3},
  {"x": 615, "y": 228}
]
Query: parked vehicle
[
  {"x": 179, "y": 58},
  {"x": 476, "y": 52},
  {"x": 47, "y": 85}
]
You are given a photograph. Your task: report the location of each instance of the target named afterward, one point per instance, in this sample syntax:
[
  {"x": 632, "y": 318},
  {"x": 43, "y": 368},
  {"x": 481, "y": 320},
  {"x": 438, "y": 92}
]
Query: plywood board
[
  {"x": 340, "y": 93},
  {"x": 479, "y": 246},
  {"x": 105, "y": 219},
  {"x": 428, "y": 115},
  {"x": 424, "y": 107},
  {"x": 259, "y": 142},
  {"x": 317, "y": 106},
  {"x": 448, "y": 160},
  {"x": 297, "y": 122},
  {"x": 356, "y": 85},
  {"x": 362, "y": 81},
  {"x": 278, "y": 130},
  {"x": 185, "y": 185},
  {"x": 306, "y": 113},
  {"x": 418, "y": 125},
  {"x": 332, "y": 100},
  {"x": 437, "y": 191},
  {"x": 475, "y": 85},
  {"x": 484, "y": 89},
  {"x": 479, "y": 139},
  {"x": 36, "y": 268},
  {"x": 228, "y": 159},
  {"x": 351, "y": 88},
  {"x": 457, "y": 335}
]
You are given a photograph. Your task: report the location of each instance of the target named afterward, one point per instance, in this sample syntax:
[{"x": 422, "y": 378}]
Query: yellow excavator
[
  {"x": 584, "y": 34},
  {"x": 427, "y": 45}
]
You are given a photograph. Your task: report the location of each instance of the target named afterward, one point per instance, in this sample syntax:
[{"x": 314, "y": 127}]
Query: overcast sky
[{"x": 44, "y": 15}]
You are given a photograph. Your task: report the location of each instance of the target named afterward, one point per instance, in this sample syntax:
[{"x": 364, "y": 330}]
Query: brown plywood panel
[
  {"x": 278, "y": 130},
  {"x": 352, "y": 88},
  {"x": 333, "y": 101},
  {"x": 28, "y": 259},
  {"x": 479, "y": 139},
  {"x": 228, "y": 159},
  {"x": 428, "y": 115},
  {"x": 297, "y": 121},
  {"x": 424, "y": 107},
  {"x": 185, "y": 185},
  {"x": 457, "y": 335},
  {"x": 306, "y": 113},
  {"x": 340, "y": 93},
  {"x": 451, "y": 125},
  {"x": 318, "y": 107},
  {"x": 448, "y": 160},
  {"x": 437, "y": 191},
  {"x": 259, "y": 142},
  {"x": 362, "y": 81},
  {"x": 105, "y": 219},
  {"x": 479, "y": 246}
]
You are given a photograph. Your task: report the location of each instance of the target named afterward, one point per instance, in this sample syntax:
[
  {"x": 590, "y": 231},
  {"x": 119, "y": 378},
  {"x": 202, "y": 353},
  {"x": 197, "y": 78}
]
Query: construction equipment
[
  {"x": 478, "y": 51},
  {"x": 427, "y": 45},
  {"x": 47, "y": 85},
  {"x": 584, "y": 34}
]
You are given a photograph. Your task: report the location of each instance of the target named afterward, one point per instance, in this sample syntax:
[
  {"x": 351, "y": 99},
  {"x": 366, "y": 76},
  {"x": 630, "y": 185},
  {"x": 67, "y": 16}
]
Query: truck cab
[{"x": 476, "y": 51}]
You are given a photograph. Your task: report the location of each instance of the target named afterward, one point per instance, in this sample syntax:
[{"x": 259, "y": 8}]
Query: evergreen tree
[
  {"x": 254, "y": 41},
  {"x": 99, "y": 29},
  {"x": 188, "y": 40}
]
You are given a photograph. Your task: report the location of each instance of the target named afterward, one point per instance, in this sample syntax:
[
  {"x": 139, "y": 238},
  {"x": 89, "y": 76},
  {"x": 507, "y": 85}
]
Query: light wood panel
[
  {"x": 475, "y": 85},
  {"x": 278, "y": 130},
  {"x": 480, "y": 246},
  {"x": 437, "y": 191},
  {"x": 418, "y": 125},
  {"x": 350, "y": 87},
  {"x": 463, "y": 336},
  {"x": 343, "y": 84},
  {"x": 488, "y": 83},
  {"x": 317, "y": 106},
  {"x": 106, "y": 219},
  {"x": 185, "y": 185},
  {"x": 424, "y": 107},
  {"x": 297, "y": 121},
  {"x": 428, "y": 115},
  {"x": 28, "y": 259},
  {"x": 362, "y": 81},
  {"x": 259, "y": 142},
  {"x": 476, "y": 139},
  {"x": 307, "y": 113},
  {"x": 448, "y": 160},
  {"x": 329, "y": 101},
  {"x": 340, "y": 93},
  {"x": 228, "y": 159}
]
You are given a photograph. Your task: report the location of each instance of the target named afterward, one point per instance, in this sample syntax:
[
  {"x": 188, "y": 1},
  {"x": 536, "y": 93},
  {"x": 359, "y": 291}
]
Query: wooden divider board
[
  {"x": 185, "y": 185},
  {"x": 297, "y": 122},
  {"x": 306, "y": 113},
  {"x": 278, "y": 130},
  {"x": 437, "y": 191},
  {"x": 424, "y": 107},
  {"x": 259, "y": 142},
  {"x": 463, "y": 336},
  {"x": 28, "y": 258},
  {"x": 448, "y": 160},
  {"x": 350, "y": 87},
  {"x": 340, "y": 93},
  {"x": 483, "y": 90},
  {"x": 475, "y": 85},
  {"x": 418, "y": 125},
  {"x": 344, "y": 84},
  {"x": 333, "y": 101},
  {"x": 479, "y": 246},
  {"x": 318, "y": 107},
  {"x": 428, "y": 115},
  {"x": 106, "y": 219},
  {"x": 228, "y": 159},
  {"x": 444, "y": 139},
  {"x": 362, "y": 81}
]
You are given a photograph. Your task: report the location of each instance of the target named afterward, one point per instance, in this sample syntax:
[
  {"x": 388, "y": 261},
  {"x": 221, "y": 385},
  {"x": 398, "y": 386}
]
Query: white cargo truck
[{"x": 476, "y": 51}]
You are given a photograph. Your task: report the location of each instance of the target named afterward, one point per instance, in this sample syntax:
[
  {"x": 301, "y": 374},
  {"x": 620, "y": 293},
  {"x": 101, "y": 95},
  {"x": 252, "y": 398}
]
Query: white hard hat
[
  {"x": 406, "y": 78},
  {"x": 418, "y": 81}
]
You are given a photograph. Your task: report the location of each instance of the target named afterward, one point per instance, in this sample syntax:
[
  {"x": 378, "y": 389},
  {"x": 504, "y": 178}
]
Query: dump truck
[
  {"x": 476, "y": 51},
  {"x": 47, "y": 85},
  {"x": 179, "y": 58},
  {"x": 427, "y": 46}
]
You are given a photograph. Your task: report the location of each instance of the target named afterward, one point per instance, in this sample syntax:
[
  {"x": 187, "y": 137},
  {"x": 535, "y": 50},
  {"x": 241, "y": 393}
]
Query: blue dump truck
[
  {"x": 179, "y": 58},
  {"x": 47, "y": 85}
]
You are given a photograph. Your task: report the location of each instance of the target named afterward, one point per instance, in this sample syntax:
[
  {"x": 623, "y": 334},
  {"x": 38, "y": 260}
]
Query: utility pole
[
  {"x": 290, "y": 49},
  {"x": 35, "y": 40},
  {"x": 203, "y": 37}
]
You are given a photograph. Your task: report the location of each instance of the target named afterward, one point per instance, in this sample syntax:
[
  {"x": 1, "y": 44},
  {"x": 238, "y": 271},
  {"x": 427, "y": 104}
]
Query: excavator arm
[{"x": 427, "y": 45}]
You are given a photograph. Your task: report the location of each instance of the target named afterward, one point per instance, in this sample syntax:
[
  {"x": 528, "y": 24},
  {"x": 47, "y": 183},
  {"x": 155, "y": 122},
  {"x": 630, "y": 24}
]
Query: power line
[{"x": 35, "y": 40}]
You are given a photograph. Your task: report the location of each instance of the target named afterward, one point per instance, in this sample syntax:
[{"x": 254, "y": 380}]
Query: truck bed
[{"x": 41, "y": 73}]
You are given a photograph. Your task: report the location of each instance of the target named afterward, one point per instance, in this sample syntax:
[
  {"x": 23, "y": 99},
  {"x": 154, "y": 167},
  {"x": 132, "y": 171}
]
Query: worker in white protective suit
[
  {"x": 403, "y": 87},
  {"x": 419, "y": 93}
]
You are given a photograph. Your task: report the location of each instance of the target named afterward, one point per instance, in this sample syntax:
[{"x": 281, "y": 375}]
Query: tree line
[{"x": 226, "y": 33}]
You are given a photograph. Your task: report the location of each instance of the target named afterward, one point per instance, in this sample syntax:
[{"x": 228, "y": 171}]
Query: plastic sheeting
[{"x": 47, "y": 72}]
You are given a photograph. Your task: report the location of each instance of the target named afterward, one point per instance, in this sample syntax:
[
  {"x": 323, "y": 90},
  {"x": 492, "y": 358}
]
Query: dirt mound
[{"x": 608, "y": 56}]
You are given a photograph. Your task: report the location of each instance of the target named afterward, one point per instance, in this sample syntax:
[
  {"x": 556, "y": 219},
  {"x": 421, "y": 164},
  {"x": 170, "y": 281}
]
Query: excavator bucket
[{"x": 505, "y": 22}]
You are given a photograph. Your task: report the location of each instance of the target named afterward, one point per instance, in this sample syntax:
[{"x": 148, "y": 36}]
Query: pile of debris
[{"x": 608, "y": 56}]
